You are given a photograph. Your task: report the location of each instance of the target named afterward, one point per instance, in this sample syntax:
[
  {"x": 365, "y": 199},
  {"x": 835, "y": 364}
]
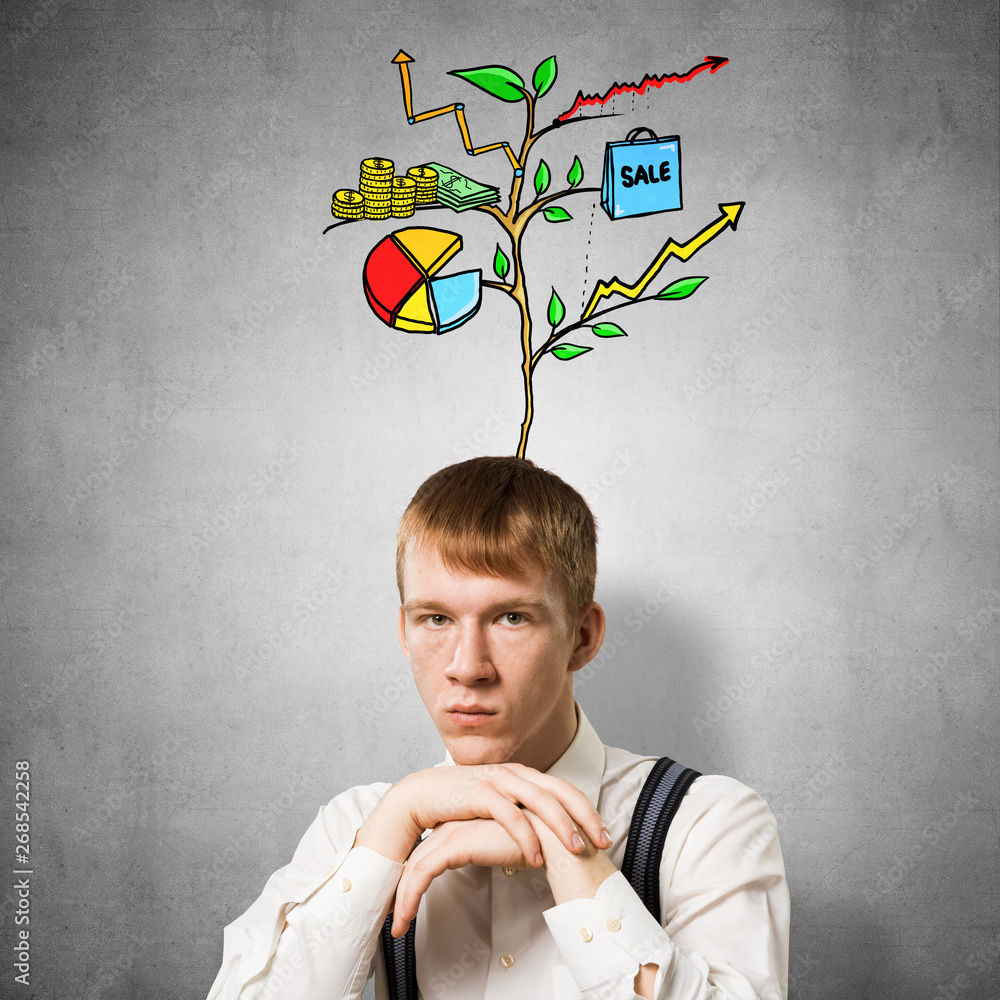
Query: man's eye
[
  {"x": 437, "y": 620},
  {"x": 513, "y": 618}
]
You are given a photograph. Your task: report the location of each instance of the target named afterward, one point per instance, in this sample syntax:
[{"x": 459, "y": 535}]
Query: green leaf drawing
[
  {"x": 556, "y": 214},
  {"x": 556, "y": 310},
  {"x": 567, "y": 352},
  {"x": 609, "y": 330},
  {"x": 545, "y": 76},
  {"x": 575, "y": 174},
  {"x": 496, "y": 80},
  {"x": 541, "y": 177},
  {"x": 681, "y": 288},
  {"x": 501, "y": 265}
]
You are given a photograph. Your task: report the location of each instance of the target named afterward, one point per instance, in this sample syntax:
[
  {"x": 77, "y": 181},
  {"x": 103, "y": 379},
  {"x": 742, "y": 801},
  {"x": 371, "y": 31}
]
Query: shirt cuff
[
  {"x": 353, "y": 896},
  {"x": 609, "y": 935}
]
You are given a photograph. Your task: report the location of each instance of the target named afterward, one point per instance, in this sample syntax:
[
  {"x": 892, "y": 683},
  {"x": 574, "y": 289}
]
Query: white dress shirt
[{"x": 723, "y": 932}]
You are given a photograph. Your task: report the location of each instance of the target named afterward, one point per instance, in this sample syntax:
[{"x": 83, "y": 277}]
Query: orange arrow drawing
[{"x": 402, "y": 60}]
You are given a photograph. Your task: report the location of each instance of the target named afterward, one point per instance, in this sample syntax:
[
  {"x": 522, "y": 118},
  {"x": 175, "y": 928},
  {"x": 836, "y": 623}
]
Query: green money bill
[{"x": 459, "y": 192}]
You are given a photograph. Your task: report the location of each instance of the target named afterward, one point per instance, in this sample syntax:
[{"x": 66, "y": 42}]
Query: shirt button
[
  {"x": 509, "y": 872},
  {"x": 345, "y": 885},
  {"x": 506, "y": 961},
  {"x": 329, "y": 872},
  {"x": 586, "y": 933},
  {"x": 614, "y": 925}
]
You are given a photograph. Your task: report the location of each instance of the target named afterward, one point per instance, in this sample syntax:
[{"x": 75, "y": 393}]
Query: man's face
[{"x": 493, "y": 659}]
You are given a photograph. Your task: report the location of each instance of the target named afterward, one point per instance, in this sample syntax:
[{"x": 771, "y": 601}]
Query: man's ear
[
  {"x": 589, "y": 635},
  {"x": 401, "y": 628}
]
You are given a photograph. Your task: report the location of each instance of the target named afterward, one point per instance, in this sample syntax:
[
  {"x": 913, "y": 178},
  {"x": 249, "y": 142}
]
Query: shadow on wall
[{"x": 649, "y": 685}]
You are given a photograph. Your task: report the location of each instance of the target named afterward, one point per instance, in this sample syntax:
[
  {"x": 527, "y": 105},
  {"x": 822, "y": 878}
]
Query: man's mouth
[{"x": 470, "y": 715}]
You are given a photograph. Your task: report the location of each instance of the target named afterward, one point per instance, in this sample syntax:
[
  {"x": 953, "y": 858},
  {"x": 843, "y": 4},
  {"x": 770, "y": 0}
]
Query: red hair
[{"x": 499, "y": 516}]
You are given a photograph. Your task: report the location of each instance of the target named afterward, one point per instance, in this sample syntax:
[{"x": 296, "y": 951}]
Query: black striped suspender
[
  {"x": 654, "y": 810},
  {"x": 400, "y": 961}
]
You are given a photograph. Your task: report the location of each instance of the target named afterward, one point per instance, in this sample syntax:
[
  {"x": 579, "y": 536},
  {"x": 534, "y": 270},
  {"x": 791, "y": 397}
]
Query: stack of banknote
[{"x": 459, "y": 193}]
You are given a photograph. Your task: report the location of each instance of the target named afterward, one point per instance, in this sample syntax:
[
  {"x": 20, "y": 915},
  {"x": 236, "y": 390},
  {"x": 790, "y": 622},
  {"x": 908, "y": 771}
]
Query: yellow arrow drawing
[
  {"x": 682, "y": 251},
  {"x": 402, "y": 60}
]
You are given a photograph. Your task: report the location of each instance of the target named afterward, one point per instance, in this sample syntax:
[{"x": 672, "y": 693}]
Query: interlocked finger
[{"x": 561, "y": 806}]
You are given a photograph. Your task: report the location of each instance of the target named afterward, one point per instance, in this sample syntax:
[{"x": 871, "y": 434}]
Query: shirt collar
[{"x": 582, "y": 765}]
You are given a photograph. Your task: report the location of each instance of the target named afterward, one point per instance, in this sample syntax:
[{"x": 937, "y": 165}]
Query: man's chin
[{"x": 473, "y": 749}]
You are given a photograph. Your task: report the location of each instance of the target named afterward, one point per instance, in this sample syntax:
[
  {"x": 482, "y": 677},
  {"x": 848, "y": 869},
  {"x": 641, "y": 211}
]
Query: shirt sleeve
[
  {"x": 724, "y": 910},
  {"x": 314, "y": 929}
]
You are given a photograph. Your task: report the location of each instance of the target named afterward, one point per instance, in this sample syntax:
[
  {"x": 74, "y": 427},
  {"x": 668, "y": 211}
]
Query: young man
[{"x": 516, "y": 885}]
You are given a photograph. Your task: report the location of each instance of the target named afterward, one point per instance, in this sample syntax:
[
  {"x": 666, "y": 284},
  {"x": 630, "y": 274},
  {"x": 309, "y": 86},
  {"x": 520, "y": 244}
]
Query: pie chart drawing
[{"x": 401, "y": 288}]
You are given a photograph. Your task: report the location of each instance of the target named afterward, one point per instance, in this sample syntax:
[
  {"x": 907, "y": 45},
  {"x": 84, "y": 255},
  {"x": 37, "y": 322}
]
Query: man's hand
[
  {"x": 426, "y": 799},
  {"x": 454, "y": 844},
  {"x": 458, "y": 843},
  {"x": 578, "y": 876},
  {"x": 571, "y": 874}
]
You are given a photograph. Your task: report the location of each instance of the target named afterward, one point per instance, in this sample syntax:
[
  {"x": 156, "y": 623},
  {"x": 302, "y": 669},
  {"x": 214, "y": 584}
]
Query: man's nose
[{"x": 472, "y": 662}]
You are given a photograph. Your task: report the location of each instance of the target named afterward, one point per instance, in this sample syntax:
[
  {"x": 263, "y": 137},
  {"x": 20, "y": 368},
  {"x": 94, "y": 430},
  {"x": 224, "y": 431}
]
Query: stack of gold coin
[
  {"x": 376, "y": 187},
  {"x": 427, "y": 184},
  {"x": 404, "y": 196},
  {"x": 348, "y": 204}
]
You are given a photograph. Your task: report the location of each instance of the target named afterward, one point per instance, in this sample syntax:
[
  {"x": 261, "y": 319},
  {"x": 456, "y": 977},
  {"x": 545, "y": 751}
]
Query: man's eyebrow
[{"x": 530, "y": 603}]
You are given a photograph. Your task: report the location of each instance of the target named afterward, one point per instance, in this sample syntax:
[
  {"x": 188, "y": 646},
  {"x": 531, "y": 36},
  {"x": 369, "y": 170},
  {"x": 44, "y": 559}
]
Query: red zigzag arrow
[{"x": 711, "y": 63}]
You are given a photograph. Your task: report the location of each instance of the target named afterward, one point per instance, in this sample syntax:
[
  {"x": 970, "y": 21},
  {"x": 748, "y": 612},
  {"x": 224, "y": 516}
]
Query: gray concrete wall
[{"x": 207, "y": 438}]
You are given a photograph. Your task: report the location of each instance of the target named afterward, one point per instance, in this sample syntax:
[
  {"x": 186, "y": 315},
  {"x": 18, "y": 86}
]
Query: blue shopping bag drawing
[{"x": 642, "y": 176}]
